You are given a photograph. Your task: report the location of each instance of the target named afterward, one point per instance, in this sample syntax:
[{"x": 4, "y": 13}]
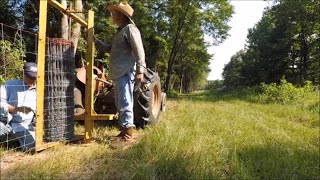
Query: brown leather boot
[
  {"x": 119, "y": 136},
  {"x": 125, "y": 140},
  {"x": 127, "y": 134}
]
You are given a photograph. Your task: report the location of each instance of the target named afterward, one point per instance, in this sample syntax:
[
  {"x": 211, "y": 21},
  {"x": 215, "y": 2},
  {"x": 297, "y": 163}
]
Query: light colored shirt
[
  {"x": 126, "y": 52},
  {"x": 15, "y": 93}
]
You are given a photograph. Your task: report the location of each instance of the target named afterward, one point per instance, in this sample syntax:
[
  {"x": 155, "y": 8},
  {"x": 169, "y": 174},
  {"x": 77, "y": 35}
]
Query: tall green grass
[
  {"x": 235, "y": 139},
  {"x": 204, "y": 135}
]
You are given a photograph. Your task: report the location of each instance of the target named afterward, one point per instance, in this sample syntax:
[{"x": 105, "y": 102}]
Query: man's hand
[
  {"x": 139, "y": 76},
  {"x": 5, "y": 129},
  {"x": 95, "y": 39},
  {"x": 22, "y": 109}
]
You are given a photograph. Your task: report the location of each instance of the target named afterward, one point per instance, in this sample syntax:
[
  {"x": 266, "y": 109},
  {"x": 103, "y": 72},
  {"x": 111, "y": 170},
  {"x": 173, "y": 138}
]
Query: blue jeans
[{"x": 124, "y": 99}]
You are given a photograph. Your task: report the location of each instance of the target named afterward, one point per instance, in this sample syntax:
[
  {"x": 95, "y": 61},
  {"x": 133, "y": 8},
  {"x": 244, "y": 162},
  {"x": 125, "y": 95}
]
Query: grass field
[{"x": 201, "y": 136}]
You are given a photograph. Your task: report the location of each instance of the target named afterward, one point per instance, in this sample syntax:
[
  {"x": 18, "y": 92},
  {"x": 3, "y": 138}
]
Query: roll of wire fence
[
  {"x": 59, "y": 88},
  {"x": 17, "y": 130}
]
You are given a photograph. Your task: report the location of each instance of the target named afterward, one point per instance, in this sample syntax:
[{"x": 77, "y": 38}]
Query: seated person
[{"x": 17, "y": 108}]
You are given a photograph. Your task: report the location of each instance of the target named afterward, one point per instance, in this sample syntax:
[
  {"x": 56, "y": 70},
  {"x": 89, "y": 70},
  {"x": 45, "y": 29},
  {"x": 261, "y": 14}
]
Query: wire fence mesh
[
  {"x": 19, "y": 100},
  {"x": 59, "y": 90},
  {"x": 17, "y": 123}
]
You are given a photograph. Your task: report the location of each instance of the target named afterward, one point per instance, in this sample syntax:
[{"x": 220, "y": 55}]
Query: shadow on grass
[
  {"x": 276, "y": 162},
  {"x": 138, "y": 165}
]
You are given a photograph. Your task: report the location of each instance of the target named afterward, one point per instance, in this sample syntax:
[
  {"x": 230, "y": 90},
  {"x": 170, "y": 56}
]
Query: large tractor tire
[{"x": 148, "y": 100}]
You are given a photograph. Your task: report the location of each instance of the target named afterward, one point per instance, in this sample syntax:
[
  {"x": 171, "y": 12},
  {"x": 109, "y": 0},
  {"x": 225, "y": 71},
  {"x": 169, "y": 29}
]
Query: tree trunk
[
  {"x": 77, "y": 29},
  {"x": 304, "y": 55},
  {"x": 181, "y": 81},
  {"x": 66, "y": 26},
  {"x": 64, "y": 22},
  {"x": 186, "y": 82},
  {"x": 174, "y": 51}
]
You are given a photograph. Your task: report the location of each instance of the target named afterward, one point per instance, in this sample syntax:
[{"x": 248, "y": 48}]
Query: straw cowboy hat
[{"x": 124, "y": 8}]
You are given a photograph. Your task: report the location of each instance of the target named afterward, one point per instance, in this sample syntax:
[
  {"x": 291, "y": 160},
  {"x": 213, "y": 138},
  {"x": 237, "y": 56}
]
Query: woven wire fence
[
  {"x": 17, "y": 129},
  {"x": 59, "y": 91}
]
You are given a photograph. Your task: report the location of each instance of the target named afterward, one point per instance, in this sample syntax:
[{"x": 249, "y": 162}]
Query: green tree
[
  {"x": 8, "y": 14},
  {"x": 10, "y": 60},
  {"x": 178, "y": 16},
  {"x": 171, "y": 31},
  {"x": 232, "y": 72},
  {"x": 285, "y": 42},
  {"x": 192, "y": 64}
]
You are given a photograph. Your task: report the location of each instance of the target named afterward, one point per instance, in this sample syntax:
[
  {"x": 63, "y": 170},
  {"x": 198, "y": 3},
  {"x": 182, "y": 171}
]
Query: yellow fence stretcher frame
[{"x": 90, "y": 115}]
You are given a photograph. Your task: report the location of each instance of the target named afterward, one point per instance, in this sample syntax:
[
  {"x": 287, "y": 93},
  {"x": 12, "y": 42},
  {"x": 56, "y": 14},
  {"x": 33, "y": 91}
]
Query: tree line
[
  {"x": 285, "y": 43},
  {"x": 172, "y": 30}
]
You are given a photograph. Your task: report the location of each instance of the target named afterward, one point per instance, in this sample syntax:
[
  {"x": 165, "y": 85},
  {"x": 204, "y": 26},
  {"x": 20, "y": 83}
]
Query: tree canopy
[
  {"x": 172, "y": 31},
  {"x": 284, "y": 43}
]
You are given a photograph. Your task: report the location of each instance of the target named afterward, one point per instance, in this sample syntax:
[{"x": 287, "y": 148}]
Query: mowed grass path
[{"x": 200, "y": 136}]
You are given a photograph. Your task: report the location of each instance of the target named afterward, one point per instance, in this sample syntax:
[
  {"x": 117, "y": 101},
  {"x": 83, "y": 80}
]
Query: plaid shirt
[{"x": 126, "y": 51}]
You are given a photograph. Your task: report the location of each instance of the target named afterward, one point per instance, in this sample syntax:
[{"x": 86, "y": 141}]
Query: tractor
[{"x": 149, "y": 100}]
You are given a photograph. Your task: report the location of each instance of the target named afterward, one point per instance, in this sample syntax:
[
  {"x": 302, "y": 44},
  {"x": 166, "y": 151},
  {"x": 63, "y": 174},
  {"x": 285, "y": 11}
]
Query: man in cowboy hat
[{"x": 127, "y": 63}]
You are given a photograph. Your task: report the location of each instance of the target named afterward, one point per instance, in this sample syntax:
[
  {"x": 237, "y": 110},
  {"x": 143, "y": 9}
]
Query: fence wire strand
[{"x": 58, "y": 87}]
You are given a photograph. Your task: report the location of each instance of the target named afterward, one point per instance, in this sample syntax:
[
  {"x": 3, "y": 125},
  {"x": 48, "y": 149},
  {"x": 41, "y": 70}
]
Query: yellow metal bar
[
  {"x": 88, "y": 123},
  {"x": 59, "y": 7},
  {"x": 40, "y": 73},
  {"x": 49, "y": 145},
  {"x": 107, "y": 117}
]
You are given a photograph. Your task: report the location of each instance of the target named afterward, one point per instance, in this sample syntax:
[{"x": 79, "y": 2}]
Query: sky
[{"x": 247, "y": 14}]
